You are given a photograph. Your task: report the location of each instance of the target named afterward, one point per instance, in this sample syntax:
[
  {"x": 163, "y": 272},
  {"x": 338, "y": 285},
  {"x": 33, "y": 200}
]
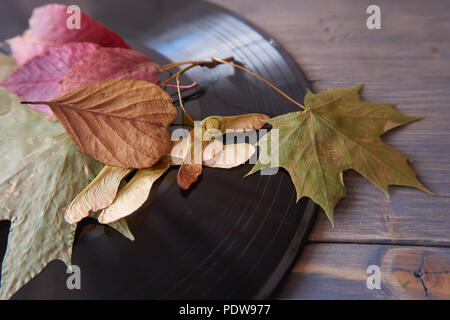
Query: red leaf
[
  {"x": 48, "y": 27},
  {"x": 39, "y": 79},
  {"x": 110, "y": 63}
]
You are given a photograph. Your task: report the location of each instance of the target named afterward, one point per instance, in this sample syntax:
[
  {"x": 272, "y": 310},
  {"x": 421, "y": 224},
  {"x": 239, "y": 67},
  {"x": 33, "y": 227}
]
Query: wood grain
[
  {"x": 405, "y": 62},
  {"x": 338, "y": 271}
]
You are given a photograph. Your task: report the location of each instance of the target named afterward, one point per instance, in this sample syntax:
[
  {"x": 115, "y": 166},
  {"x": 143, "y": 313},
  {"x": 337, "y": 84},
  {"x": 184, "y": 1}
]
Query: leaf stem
[
  {"x": 179, "y": 73},
  {"x": 262, "y": 79},
  {"x": 170, "y": 66},
  {"x": 193, "y": 84},
  {"x": 34, "y": 102},
  {"x": 211, "y": 64},
  {"x": 181, "y": 100},
  {"x": 208, "y": 64}
]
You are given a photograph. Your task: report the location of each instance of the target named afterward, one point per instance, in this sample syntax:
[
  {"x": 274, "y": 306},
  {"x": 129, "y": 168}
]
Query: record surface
[{"x": 228, "y": 236}]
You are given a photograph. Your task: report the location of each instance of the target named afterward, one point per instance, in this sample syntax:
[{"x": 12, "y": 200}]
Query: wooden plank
[
  {"x": 338, "y": 271},
  {"x": 406, "y": 62}
]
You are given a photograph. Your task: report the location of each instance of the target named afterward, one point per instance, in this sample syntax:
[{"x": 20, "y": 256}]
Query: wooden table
[{"x": 405, "y": 62}]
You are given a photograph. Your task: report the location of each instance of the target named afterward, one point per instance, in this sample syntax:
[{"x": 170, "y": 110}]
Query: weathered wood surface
[
  {"x": 339, "y": 271},
  {"x": 406, "y": 62}
]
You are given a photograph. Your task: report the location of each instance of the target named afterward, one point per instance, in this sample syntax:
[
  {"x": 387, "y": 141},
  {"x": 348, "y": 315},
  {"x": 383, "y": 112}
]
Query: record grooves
[{"x": 227, "y": 237}]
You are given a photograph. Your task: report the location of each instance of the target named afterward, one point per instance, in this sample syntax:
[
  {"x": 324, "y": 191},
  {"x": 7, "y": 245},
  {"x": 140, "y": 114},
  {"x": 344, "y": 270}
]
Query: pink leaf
[
  {"x": 110, "y": 63},
  {"x": 48, "y": 27},
  {"x": 39, "y": 79}
]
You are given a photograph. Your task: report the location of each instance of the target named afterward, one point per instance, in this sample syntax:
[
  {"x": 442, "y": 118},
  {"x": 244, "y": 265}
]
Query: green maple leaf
[
  {"x": 336, "y": 132},
  {"x": 41, "y": 171}
]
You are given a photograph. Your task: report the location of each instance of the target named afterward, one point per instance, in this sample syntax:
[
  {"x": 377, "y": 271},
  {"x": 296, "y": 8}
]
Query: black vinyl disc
[{"x": 228, "y": 236}]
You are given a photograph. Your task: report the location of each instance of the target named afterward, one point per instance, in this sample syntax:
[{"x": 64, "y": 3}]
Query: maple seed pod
[
  {"x": 212, "y": 123},
  {"x": 189, "y": 173},
  {"x": 133, "y": 195},
  {"x": 99, "y": 194}
]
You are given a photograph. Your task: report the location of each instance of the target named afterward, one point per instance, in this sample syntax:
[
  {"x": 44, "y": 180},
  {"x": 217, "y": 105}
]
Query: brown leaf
[
  {"x": 119, "y": 122},
  {"x": 134, "y": 193},
  {"x": 99, "y": 194}
]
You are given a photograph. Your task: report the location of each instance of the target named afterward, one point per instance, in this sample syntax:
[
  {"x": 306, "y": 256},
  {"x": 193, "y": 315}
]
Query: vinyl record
[{"x": 228, "y": 236}]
